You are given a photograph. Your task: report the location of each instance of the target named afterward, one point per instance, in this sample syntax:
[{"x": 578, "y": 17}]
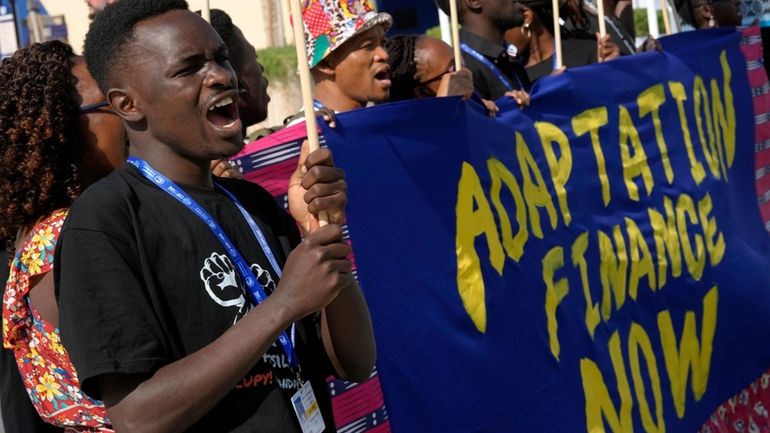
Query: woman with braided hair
[{"x": 57, "y": 136}]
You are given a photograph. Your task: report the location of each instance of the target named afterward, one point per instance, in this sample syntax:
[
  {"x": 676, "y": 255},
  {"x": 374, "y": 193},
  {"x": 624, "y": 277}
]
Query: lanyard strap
[
  {"x": 256, "y": 290},
  {"x": 256, "y": 230},
  {"x": 491, "y": 66}
]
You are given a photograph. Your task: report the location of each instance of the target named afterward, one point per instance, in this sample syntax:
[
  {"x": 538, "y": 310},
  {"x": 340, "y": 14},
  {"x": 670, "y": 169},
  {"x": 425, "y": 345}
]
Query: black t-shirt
[
  {"x": 575, "y": 52},
  {"x": 485, "y": 81},
  {"x": 143, "y": 282}
]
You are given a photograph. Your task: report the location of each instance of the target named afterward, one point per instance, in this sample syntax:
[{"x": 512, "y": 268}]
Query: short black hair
[
  {"x": 223, "y": 24},
  {"x": 113, "y": 28}
]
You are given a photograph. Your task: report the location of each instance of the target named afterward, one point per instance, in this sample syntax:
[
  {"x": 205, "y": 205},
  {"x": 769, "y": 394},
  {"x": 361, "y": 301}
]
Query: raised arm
[{"x": 179, "y": 394}]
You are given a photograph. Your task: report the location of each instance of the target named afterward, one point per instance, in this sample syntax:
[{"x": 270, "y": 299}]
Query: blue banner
[{"x": 595, "y": 262}]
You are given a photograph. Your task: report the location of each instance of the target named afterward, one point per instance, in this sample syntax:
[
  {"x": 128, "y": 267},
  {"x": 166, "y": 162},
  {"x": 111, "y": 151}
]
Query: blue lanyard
[
  {"x": 256, "y": 230},
  {"x": 256, "y": 290},
  {"x": 491, "y": 66}
]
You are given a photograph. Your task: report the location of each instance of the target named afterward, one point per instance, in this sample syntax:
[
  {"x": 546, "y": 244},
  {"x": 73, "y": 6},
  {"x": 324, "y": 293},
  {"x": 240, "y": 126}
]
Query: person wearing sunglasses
[
  {"x": 423, "y": 67},
  {"x": 57, "y": 136}
]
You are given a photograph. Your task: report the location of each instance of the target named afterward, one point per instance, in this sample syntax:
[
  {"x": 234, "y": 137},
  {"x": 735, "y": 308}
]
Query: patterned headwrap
[{"x": 329, "y": 23}]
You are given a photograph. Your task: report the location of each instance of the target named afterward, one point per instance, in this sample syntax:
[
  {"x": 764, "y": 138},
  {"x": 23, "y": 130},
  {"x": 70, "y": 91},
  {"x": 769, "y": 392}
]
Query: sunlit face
[
  {"x": 184, "y": 86},
  {"x": 101, "y": 131},
  {"x": 252, "y": 83},
  {"x": 433, "y": 59},
  {"x": 361, "y": 69}
]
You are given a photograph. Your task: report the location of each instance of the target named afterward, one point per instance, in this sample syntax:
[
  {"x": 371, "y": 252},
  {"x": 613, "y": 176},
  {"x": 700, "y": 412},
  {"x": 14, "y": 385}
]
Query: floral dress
[{"x": 46, "y": 370}]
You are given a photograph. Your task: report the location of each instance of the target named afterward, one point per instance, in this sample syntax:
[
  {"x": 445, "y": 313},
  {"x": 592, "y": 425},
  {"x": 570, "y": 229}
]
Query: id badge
[{"x": 307, "y": 410}]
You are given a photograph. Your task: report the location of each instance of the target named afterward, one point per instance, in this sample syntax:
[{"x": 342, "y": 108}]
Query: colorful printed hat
[{"x": 329, "y": 23}]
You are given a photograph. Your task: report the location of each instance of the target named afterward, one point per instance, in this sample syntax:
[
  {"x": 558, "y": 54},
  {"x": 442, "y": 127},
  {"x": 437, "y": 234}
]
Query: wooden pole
[
  {"x": 666, "y": 22},
  {"x": 652, "y": 18},
  {"x": 557, "y": 34},
  {"x": 600, "y": 12},
  {"x": 307, "y": 86},
  {"x": 206, "y": 11},
  {"x": 455, "y": 26}
]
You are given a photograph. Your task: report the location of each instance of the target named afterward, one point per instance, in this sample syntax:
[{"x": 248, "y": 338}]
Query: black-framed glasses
[
  {"x": 439, "y": 76},
  {"x": 92, "y": 107}
]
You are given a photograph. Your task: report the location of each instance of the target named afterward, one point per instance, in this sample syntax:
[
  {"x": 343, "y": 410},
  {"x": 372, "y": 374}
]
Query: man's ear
[
  {"x": 473, "y": 5},
  {"x": 325, "y": 67},
  {"x": 124, "y": 105}
]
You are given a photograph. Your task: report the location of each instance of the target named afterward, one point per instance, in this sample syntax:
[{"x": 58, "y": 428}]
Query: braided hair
[
  {"x": 39, "y": 146},
  {"x": 403, "y": 68}
]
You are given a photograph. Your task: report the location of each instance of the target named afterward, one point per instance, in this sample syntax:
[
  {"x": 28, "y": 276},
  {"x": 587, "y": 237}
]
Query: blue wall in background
[{"x": 410, "y": 16}]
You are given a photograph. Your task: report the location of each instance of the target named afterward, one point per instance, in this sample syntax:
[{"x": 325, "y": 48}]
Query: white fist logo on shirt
[
  {"x": 264, "y": 278},
  {"x": 221, "y": 281},
  {"x": 223, "y": 284}
]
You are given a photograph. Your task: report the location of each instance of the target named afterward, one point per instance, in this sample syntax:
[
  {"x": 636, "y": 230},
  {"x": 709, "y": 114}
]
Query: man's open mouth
[
  {"x": 223, "y": 114},
  {"x": 383, "y": 77}
]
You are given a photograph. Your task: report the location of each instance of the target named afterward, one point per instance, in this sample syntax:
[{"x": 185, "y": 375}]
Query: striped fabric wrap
[
  {"x": 751, "y": 45},
  {"x": 747, "y": 410}
]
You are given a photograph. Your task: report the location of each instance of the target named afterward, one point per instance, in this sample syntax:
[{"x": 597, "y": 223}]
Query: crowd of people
[{"x": 148, "y": 287}]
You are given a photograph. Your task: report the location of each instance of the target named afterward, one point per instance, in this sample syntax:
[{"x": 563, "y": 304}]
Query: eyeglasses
[
  {"x": 439, "y": 76},
  {"x": 93, "y": 107}
]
